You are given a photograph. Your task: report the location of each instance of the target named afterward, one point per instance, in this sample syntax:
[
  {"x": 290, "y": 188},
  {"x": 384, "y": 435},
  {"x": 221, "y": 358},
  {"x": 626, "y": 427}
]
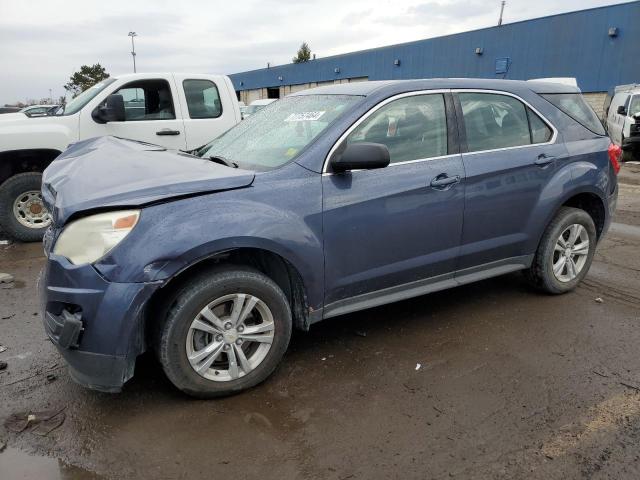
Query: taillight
[{"x": 615, "y": 152}]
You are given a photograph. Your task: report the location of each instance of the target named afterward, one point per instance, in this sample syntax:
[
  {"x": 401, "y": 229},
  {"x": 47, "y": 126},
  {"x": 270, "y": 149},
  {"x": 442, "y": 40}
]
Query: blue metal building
[{"x": 598, "y": 46}]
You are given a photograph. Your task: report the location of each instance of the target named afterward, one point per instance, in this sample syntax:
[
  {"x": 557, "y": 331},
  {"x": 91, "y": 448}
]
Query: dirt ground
[{"x": 490, "y": 380}]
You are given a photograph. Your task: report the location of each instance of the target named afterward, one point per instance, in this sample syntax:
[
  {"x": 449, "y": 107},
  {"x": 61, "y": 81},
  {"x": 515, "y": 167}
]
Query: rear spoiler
[{"x": 569, "y": 81}]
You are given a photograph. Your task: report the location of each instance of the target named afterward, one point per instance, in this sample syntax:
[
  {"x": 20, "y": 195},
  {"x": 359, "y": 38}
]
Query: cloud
[{"x": 42, "y": 42}]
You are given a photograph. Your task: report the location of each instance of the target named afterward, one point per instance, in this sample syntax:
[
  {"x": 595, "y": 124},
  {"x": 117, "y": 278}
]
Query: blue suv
[{"x": 326, "y": 202}]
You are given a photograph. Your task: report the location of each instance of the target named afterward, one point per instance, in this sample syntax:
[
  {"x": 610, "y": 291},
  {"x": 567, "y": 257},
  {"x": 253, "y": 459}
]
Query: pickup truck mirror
[
  {"x": 622, "y": 110},
  {"x": 357, "y": 156},
  {"x": 111, "y": 111}
]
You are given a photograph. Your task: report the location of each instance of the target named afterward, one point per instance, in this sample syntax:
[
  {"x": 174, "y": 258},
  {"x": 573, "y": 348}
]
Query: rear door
[
  {"x": 388, "y": 230},
  {"x": 509, "y": 155},
  {"x": 208, "y": 107}
]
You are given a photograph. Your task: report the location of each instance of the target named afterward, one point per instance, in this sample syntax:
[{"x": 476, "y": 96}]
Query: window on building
[
  {"x": 203, "y": 99},
  {"x": 412, "y": 128}
]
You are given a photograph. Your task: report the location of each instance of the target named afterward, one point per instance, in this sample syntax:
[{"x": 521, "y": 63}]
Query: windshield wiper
[{"x": 223, "y": 161}]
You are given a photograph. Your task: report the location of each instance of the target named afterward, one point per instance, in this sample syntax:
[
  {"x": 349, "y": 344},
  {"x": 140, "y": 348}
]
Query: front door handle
[
  {"x": 543, "y": 160},
  {"x": 167, "y": 131},
  {"x": 443, "y": 180}
]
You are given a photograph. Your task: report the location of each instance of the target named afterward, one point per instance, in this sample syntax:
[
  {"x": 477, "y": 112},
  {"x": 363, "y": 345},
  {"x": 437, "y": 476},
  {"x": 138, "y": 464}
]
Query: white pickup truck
[{"x": 177, "y": 111}]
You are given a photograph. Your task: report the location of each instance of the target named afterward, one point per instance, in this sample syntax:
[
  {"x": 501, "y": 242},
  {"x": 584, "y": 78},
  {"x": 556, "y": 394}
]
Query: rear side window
[
  {"x": 203, "y": 99},
  {"x": 574, "y": 105},
  {"x": 494, "y": 121}
]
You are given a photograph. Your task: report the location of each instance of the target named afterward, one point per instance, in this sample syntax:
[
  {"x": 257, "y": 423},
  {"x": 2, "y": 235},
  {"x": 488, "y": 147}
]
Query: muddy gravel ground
[{"x": 490, "y": 380}]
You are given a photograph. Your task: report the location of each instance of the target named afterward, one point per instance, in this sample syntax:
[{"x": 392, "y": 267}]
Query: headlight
[{"x": 91, "y": 238}]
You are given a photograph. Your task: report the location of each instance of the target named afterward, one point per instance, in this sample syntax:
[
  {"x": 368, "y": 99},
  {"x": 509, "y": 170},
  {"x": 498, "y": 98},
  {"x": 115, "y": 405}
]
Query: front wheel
[
  {"x": 23, "y": 214},
  {"x": 565, "y": 252},
  {"x": 224, "y": 332}
]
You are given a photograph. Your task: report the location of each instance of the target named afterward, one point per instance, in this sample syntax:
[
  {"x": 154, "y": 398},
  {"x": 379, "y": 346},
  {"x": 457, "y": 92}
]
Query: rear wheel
[
  {"x": 565, "y": 252},
  {"x": 23, "y": 214},
  {"x": 224, "y": 332}
]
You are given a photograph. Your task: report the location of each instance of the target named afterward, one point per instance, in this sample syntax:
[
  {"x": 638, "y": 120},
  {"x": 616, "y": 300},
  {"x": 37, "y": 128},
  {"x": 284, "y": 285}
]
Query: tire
[
  {"x": 10, "y": 191},
  {"x": 541, "y": 273},
  {"x": 177, "y": 339}
]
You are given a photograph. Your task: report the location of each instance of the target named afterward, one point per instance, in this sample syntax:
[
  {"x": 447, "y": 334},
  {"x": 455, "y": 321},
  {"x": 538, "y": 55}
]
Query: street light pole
[{"x": 133, "y": 49}]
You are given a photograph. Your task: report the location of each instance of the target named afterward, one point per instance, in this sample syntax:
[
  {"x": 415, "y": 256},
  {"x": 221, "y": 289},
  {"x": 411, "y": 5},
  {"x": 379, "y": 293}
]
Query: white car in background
[
  {"x": 623, "y": 119},
  {"x": 178, "y": 111},
  {"x": 257, "y": 105},
  {"x": 39, "y": 110}
]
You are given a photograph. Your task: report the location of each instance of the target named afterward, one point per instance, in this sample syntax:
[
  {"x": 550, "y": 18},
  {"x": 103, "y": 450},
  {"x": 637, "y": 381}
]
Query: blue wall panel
[{"x": 573, "y": 44}]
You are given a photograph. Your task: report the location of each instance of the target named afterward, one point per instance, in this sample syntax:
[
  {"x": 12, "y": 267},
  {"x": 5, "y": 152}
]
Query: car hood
[
  {"x": 17, "y": 118},
  {"x": 108, "y": 172}
]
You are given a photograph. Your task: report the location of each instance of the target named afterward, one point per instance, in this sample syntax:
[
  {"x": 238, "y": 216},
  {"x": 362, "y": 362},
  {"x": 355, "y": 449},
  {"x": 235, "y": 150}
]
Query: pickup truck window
[
  {"x": 277, "y": 134},
  {"x": 147, "y": 100},
  {"x": 85, "y": 97},
  {"x": 203, "y": 99}
]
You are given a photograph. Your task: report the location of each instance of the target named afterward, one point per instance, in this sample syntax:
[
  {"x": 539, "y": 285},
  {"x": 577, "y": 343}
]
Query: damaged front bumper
[{"x": 97, "y": 325}]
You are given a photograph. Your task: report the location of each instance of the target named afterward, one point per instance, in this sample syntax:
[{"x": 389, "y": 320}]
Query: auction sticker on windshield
[{"x": 304, "y": 116}]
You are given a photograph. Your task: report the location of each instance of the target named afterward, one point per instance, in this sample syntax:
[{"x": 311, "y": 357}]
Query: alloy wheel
[
  {"x": 230, "y": 337},
  {"x": 570, "y": 252}
]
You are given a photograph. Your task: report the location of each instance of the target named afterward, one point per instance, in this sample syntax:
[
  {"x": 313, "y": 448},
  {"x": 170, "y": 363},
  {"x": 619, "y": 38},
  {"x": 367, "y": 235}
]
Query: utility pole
[
  {"x": 50, "y": 96},
  {"x": 501, "y": 12},
  {"x": 133, "y": 49}
]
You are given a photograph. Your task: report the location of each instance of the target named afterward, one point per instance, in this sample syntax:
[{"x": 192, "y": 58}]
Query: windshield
[
  {"x": 85, "y": 97},
  {"x": 254, "y": 108},
  {"x": 278, "y": 132}
]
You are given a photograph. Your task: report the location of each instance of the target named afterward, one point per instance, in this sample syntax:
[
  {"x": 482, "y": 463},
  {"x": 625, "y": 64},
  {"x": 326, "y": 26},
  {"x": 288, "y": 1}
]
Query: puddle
[{"x": 18, "y": 465}]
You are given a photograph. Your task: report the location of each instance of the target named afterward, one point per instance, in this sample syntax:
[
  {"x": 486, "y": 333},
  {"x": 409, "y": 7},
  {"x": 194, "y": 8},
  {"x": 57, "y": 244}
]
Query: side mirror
[
  {"x": 361, "y": 156},
  {"x": 622, "y": 110},
  {"x": 111, "y": 111}
]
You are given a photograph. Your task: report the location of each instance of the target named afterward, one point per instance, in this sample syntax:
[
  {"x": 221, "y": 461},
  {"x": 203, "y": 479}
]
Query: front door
[
  {"x": 151, "y": 114},
  {"x": 387, "y": 231}
]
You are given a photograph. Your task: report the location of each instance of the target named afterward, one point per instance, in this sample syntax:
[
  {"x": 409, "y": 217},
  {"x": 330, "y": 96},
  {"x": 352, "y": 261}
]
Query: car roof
[{"x": 378, "y": 86}]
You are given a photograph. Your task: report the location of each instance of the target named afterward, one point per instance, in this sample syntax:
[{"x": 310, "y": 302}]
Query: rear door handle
[
  {"x": 166, "y": 131},
  {"x": 443, "y": 180},
  {"x": 543, "y": 160}
]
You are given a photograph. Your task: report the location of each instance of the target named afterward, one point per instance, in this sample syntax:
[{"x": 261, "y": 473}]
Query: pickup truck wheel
[
  {"x": 565, "y": 252},
  {"x": 224, "y": 332},
  {"x": 23, "y": 214}
]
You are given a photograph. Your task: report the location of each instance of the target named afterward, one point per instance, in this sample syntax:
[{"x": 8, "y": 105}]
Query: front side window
[
  {"x": 276, "y": 134},
  {"x": 494, "y": 121},
  {"x": 203, "y": 99},
  {"x": 412, "y": 128},
  {"x": 147, "y": 100},
  {"x": 634, "y": 106}
]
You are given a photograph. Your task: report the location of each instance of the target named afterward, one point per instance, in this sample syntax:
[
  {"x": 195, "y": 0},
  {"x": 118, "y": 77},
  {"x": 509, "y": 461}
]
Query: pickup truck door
[
  {"x": 152, "y": 114},
  {"x": 209, "y": 107}
]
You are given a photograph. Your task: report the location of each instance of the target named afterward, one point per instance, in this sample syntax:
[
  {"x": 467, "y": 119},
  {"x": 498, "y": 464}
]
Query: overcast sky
[{"x": 42, "y": 42}]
